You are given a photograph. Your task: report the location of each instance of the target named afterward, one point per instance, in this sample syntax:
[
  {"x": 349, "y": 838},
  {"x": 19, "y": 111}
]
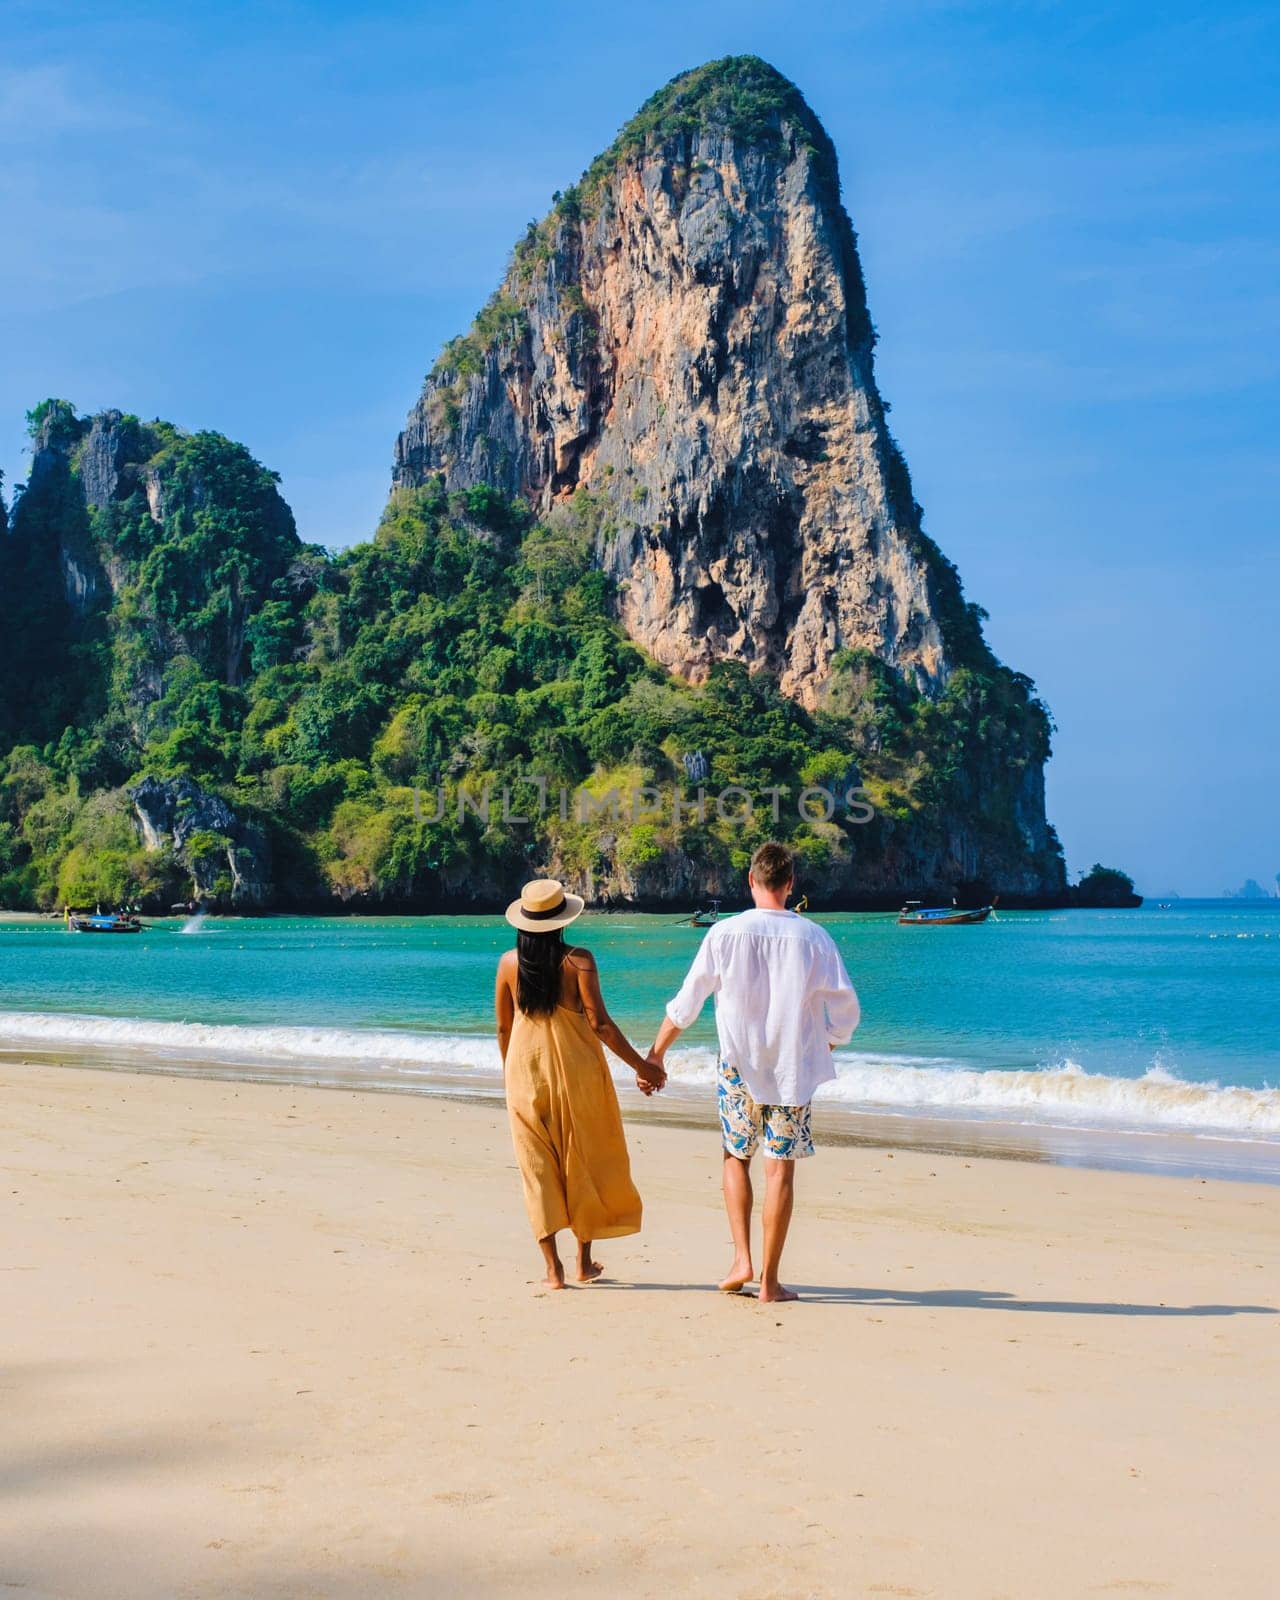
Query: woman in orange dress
[{"x": 565, "y": 1121}]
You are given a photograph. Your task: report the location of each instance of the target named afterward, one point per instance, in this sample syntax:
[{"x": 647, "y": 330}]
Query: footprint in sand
[{"x": 462, "y": 1497}]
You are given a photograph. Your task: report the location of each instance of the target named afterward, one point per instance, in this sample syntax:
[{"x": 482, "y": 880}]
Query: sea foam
[
  {"x": 1063, "y": 1093},
  {"x": 235, "y": 1042}
]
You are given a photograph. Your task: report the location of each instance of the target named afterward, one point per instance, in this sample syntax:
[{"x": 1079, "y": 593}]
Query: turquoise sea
[{"x": 1151, "y": 1021}]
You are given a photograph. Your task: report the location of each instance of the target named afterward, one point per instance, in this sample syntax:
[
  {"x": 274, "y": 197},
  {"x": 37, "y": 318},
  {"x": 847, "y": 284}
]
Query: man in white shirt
[{"x": 783, "y": 1003}]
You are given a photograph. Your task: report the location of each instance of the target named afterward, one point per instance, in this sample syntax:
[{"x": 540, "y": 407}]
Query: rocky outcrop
[
  {"x": 678, "y": 366},
  {"x": 106, "y": 492},
  {"x": 53, "y": 512},
  {"x": 229, "y": 859},
  {"x": 1105, "y": 887},
  {"x": 80, "y": 465},
  {"x": 103, "y": 456},
  {"x": 686, "y": 338},
  {"x": 112, "y": 463}
]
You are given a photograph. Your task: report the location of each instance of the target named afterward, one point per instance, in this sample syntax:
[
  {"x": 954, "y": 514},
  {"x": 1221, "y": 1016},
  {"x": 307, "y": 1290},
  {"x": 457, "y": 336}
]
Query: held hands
[{"x": 653, "y": 1079}]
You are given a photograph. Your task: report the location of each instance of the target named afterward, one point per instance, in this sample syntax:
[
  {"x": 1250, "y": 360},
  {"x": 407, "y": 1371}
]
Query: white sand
[{"x": 266, "y": 1342}]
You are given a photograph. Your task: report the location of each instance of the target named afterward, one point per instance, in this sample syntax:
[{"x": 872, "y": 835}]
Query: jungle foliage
[{"x": 359, "y": 706}]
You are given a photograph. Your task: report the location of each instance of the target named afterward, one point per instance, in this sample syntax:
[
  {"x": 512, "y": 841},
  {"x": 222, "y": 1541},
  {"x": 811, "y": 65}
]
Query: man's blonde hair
[{"x": 773, "y": 866}]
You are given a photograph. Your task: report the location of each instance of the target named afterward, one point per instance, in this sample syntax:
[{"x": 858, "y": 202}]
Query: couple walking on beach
[{"x": 783, "y": 1003}]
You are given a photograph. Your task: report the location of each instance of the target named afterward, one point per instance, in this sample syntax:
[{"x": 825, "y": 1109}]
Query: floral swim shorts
[{"x": 783, "y": 1132}]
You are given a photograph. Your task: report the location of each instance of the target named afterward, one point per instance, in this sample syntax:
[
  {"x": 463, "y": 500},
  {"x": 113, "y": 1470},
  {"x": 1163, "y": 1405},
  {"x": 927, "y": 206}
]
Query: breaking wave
[
  {"x": 1064, "y": 1093},
  {"x": 1061, "y": 1094},
  {"x": 213, "y": 1041}
]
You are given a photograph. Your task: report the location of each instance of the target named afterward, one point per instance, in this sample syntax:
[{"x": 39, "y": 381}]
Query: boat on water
[
  {"x": 102, "y": 922},
  {"x": 701, "y": 919},
  {"x": 712, "y": 914},
  {"x": 916, "y": 915}
]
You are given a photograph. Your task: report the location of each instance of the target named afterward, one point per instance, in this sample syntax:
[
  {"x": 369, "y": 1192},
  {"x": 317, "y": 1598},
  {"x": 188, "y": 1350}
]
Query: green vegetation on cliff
[
  {"x": 365, "y": 712},
  {"x": 741, "y": 96}
]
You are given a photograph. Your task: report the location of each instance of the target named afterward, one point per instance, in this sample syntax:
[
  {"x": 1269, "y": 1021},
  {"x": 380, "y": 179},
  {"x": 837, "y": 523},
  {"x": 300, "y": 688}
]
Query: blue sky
[{"x": 266, "y": 218}]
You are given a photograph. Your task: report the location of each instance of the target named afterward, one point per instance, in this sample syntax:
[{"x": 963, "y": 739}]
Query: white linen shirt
[{"x": 783, "y": 998}]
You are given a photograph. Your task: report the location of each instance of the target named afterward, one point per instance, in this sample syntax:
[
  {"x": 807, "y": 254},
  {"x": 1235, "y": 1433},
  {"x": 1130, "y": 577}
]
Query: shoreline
[
  {"x": 870, "y": 905},
  {"x": 266, "y": 1343},
  {"x": 1159, "y": 1152},
  {"x": 999, "y": 1041},
  {"x": 883, "y": 906}
]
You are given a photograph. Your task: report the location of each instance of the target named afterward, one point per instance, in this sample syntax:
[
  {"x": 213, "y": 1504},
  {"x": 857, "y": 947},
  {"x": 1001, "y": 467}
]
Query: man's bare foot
[
  {"x": 775, "y": 1293},
  {"x": 551, "y": 1281},
  {"x": 587, "y": 1268},
  {"x": 738, "y": 1277}
]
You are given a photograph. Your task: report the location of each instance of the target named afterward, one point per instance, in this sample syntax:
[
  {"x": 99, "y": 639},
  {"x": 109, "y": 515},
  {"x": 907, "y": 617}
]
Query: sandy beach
[{"x": 264, "y": 1341}]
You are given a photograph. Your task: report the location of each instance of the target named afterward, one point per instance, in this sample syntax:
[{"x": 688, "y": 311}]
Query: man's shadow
[
  {"x": 965, "y": 1300},
  {"x": 1003, "y": 1300}
]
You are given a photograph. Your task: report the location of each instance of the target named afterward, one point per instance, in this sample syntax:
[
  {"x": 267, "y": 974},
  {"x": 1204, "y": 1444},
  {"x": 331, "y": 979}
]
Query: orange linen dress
[{"x": 567, "y": 1129}]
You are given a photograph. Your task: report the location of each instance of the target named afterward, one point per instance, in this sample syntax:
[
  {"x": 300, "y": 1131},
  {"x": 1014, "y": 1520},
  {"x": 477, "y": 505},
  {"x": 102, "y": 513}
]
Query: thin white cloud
[{"x": 38, "y": 103}]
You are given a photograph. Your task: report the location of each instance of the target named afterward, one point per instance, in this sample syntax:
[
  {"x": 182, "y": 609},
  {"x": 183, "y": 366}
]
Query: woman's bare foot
[
  {"x": 551, "y": 1260},
  {"x": 775, "y": 1293},
  {"x": 587, "y": 1268},
  {"x": 738, "y": 1276}
]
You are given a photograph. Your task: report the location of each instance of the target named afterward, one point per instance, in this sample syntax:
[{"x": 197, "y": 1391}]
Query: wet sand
[{"x": 1174, "y": 1153}]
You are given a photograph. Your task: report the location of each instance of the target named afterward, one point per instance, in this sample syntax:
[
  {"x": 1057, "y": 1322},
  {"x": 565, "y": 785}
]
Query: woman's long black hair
[{"x": 538, "y": 983}]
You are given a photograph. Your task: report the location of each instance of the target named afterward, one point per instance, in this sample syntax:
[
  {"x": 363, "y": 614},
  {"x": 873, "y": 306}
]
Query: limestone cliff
[
  {"x": 139, "y": 542},
  {"x": 666, "y": 418},
  {"x": 686, "y": 338},
  {"x": 227, "y": 858}
]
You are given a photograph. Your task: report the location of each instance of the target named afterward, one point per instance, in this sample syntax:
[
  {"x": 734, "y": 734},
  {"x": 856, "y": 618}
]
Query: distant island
[
  {"x": 1104, "y": 887},
  {"x": 649, "y": 545},
  {"x": 1251, "y": 889}
]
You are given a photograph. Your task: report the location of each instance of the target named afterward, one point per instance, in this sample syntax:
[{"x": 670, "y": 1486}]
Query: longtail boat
[
  {"x": 102, "y": 922},
  {"x": 915, "y": 915}
]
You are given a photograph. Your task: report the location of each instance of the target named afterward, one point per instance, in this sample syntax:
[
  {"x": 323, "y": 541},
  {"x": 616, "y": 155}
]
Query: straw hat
[{"x": 544, "y": 906}]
